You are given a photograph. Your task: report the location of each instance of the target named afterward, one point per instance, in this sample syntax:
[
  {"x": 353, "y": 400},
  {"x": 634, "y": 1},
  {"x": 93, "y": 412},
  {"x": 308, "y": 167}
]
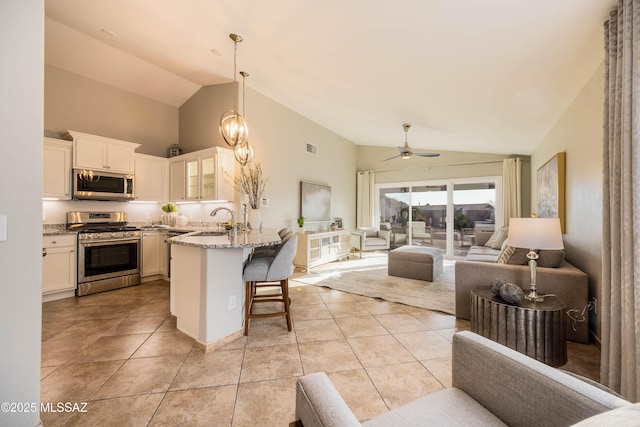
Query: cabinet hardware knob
[{"x": 44, "y": 252}]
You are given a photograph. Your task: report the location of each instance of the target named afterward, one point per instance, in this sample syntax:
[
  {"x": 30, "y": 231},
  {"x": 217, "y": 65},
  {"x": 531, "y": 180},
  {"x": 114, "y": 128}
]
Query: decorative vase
[
  {"x": 169, "y": 218},
  {"x": 255, "y": 219}
]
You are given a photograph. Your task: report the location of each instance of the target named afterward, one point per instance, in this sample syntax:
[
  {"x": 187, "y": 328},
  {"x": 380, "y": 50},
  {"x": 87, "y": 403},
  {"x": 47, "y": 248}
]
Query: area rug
[{"x": 368, "y": 276}]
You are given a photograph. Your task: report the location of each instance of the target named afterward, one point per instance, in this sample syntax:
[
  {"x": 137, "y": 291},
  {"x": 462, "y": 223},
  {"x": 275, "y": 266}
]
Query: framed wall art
[{"x": 551, "y": 189}]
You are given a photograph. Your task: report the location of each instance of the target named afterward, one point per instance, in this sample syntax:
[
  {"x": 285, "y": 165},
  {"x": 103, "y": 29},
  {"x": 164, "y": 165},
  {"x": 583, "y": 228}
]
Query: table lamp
[{"x": 535, "y": 233}]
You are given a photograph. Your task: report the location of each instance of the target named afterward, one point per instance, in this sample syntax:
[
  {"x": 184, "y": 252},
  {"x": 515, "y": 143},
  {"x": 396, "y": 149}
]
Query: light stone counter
[{"x": 221, "y": 240}]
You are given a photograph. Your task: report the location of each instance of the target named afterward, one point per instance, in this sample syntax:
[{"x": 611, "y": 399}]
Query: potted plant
[
  {"x": 301, "y": 224},
  {"x": 252, "y": 183}
]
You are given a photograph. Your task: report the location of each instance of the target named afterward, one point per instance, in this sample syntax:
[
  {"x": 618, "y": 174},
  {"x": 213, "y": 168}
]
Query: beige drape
[
  {"x": 620, "y": 300},
  {"x": 365, "y": 199},
  {"x": 511, "y": 189}
]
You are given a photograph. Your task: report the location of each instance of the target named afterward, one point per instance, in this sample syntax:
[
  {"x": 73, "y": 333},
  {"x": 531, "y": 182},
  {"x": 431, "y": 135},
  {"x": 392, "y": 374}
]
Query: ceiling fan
[{"x": 406, "y": 152}]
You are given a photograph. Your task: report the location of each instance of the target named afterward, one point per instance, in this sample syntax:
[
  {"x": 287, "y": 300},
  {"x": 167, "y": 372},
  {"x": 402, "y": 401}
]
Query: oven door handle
[{"x": 102, "y": 242}]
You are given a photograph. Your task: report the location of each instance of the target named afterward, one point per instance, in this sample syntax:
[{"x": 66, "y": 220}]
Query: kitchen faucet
[{"x": 233, "y": 222}]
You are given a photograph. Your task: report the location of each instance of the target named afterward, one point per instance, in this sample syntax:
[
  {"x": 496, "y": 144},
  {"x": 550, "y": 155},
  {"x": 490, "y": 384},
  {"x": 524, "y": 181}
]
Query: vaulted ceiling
[{"x": 487, "y": 76}]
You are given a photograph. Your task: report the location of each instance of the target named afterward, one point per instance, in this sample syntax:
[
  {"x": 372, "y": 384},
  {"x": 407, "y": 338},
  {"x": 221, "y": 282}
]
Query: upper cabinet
[
  {"x": 56, "y": 169},
  {"x": 103, "y": 154},
  {"x": 152, "y": 178},
  {"x": 204, "y": 175}
]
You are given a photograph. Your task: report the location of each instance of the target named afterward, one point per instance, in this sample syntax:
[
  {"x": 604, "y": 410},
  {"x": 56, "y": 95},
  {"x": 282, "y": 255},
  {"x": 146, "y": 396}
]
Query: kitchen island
[{"x": 207, "y": 290}]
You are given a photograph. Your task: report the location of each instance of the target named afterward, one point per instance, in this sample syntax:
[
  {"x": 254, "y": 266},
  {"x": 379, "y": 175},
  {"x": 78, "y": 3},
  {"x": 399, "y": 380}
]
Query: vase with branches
[{"x": 252, "y": 183}]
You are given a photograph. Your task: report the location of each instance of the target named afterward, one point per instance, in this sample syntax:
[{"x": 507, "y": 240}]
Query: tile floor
[{"x": 120, "y": 352}]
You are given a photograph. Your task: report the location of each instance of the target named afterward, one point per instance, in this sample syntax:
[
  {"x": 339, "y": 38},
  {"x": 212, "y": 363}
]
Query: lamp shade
[{"x": 535, "y": 233}]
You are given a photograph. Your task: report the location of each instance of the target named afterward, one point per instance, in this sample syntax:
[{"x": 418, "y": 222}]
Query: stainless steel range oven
[{"x": 108, "y": 251}]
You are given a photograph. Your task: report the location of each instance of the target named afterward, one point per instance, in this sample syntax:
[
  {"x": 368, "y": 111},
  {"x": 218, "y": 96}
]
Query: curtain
[
  {"x": 365, "y": 199},
  {"x": 620, "y": 301},
  {"x": 511, "y": 189}
]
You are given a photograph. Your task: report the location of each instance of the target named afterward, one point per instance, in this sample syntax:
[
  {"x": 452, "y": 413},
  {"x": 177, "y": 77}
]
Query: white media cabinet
[{"x": 322, "y": 247}]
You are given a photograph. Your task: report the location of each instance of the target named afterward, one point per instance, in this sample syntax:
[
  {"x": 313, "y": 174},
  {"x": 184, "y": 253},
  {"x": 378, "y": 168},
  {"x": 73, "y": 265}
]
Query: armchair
[
  {"x": 421, "y": 231},
  {"x": 370, "y": 239}
]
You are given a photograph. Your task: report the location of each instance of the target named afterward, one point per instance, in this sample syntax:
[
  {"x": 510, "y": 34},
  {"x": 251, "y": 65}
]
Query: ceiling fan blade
[
  {"x": 391, "y": 158},
  {"x": 426, "y": 154}
]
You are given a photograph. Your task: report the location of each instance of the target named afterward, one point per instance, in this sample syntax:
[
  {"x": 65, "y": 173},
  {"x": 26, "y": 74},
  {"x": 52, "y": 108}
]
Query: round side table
[{"x": 536, "y": 329}]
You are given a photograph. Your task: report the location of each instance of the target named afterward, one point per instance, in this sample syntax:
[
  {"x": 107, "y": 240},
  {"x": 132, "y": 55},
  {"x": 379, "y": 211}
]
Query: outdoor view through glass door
[{"x": 438, "y": 215}]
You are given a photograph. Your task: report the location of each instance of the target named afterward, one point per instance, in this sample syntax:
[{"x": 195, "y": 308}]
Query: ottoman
[{"x": 415, "y": 262}]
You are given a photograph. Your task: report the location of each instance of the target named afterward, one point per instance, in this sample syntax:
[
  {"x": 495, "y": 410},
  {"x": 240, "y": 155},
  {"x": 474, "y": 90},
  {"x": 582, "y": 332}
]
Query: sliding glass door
[{"x": 440, "y": 215}]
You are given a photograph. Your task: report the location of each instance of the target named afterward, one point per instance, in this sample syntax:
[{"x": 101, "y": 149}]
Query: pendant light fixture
[
  {"x": 243, "y": 152},
  {"x": 233, "y": 127}
]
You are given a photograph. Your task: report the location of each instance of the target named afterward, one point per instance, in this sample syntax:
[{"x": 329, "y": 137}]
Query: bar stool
[
  {"x": 270, "y": 271},
  {"x": 269, "y": 250}
]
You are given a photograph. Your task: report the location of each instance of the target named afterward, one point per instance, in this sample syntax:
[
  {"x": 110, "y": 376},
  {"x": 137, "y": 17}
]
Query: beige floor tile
[
  {"x": 137, "y": 325},
  {"x": 337, "y": 296},
  {"x": 168, "y": 325},
  {"x": 346, "y": 309},
  {"x": 153, "y": 308},
  {"x": 361, "y": 326},
  {"x": 327, "y": 356},
  {"x": 141, "y": 376},
  {"x": 53, "y": 329},
  {"x": 267, "y": 363},
  {"x": 400, "y": 322},
  {"x": 305, "y": 298},
  {"x": 425, "y": 345},
  {"x": 434, "y": 320},
  {"x": 403, "y": 383},
  {"x": 269, "y": 331},
  {"x": 56, "y": 352},
  {"x": 211, "y": 406},
  {"x": 238, "y": 344},
  {"x": 125, "y": 411},
  {"x": 378, "y": 306},
  {"x": 214, "y": 368},
  {"x": 165, "y": 344},
  {"x": 359, "y": 393},
  {"x": 380, "y": 351},
  {"x": 440, "y": 369},
  {"x": 266, "y": 403},
  {"x": 76, "y": 383},
  {"x": 110, "y": 348},
  {"x": 317, "y": 330},
  {"x": 310, "y": 312},
  {"x": 89, "y": 328}
]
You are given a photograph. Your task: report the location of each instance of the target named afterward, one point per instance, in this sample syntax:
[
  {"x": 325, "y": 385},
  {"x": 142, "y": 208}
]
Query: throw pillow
[
  {"x": 498, "y": 236},
  {"x": 514, "y": 256},
  {"x": 550, "y": 258},
  {"x": 385, "y": 226}
]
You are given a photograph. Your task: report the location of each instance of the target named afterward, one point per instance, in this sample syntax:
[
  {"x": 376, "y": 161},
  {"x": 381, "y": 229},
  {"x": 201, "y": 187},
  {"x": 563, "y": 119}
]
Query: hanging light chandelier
[
  {"x": 243, "y": 152},
  {"x": 233, "y": 127}
]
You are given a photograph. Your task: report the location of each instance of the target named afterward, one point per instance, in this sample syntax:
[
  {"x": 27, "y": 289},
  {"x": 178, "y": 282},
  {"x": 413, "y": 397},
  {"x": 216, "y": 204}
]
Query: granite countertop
[{"x": 242, "y": 239}]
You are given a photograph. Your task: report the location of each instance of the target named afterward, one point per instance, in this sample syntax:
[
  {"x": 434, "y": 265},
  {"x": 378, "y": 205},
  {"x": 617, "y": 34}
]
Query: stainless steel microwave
[{"x": 98, "y": 185}]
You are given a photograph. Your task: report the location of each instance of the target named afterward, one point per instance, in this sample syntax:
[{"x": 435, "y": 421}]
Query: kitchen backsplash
[{"x": 55, "y": 211}]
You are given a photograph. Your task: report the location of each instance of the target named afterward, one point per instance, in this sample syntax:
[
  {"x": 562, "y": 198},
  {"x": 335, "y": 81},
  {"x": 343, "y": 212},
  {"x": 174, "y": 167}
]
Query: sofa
[
  {"x": 491, "y": 385},
  {"x": 568, "y": 283}
]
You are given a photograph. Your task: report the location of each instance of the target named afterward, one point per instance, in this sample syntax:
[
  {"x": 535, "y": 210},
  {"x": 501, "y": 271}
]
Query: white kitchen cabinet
[
  {"x": 58, "y": 263},
  {"x": 177, "y": 175},
  {"x": 100, "y": 153},
  {"x": 204, "y": 175},
  {"x": 151, "y": 263},
  {"x": 152, "y": 178},
  {"x": 56, "y": 168}
]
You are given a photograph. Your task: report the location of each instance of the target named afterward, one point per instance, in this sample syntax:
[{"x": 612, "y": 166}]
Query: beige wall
[
  {"x": 449, "y": 165},
  {"x": 579, "y": 133},
  {"x": 21, "y": 84},
  {"x": 73, "y": 102},
  {"x": 279, "y": 136}
]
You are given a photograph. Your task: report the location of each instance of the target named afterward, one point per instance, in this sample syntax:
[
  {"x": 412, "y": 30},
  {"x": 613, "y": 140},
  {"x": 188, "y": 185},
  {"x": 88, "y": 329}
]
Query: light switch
[{"x": 3, "y": 228}]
